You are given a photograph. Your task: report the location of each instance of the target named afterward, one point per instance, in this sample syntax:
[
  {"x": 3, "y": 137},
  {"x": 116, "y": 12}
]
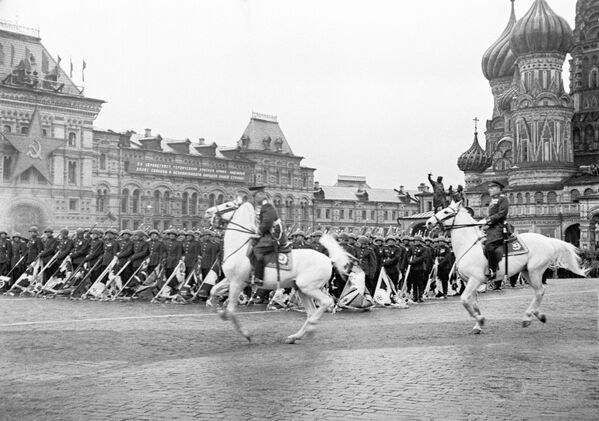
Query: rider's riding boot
[{"x": 258, "y": 279}]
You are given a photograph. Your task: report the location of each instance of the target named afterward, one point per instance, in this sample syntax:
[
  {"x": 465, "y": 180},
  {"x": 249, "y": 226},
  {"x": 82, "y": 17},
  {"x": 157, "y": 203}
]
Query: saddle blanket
[
  {"x": 285, "y": 261},
  {"x": 515, "y": 246}
]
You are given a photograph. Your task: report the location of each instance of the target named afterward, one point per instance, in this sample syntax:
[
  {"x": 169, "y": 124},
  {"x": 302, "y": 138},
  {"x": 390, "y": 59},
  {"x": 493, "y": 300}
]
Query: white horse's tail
[
  {"x": 567, "y": 256},
  {"x": 338, "y": 255}
]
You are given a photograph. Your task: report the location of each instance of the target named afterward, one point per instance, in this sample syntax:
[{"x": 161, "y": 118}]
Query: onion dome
[
  {"x": 541, "y": 31},
  {"x": 499, "y": 60},
  {"x": 474, "y": 159}
]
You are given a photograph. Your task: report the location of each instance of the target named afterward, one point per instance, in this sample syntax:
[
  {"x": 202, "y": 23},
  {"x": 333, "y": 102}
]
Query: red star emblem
[{"x": 34, "y": 149}]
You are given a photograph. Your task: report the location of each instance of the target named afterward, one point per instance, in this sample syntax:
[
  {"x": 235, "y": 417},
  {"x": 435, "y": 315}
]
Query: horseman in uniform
[
  {"x": 498, "y": 210},
  {"x": 271, "y": 234}
]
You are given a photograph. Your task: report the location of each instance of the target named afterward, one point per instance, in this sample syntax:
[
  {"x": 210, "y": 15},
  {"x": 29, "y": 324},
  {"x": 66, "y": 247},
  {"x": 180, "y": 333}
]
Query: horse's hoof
[
  {"x": 223, "y": 315},
  {"x": 542, "y": 318},
  {"x": 247, "y": 336},
  {"x": 290, "y": 340},
  {"x": 526, "y": 323},
  {"x": 476, "y": 330},
  {"x": 481, "y": 321}
]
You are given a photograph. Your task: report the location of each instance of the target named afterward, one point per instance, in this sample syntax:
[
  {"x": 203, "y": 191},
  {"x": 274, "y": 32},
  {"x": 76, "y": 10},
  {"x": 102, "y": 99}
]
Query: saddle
[
  {"x": 515, "y": 247},
  {"x": 285, "y": 260}
]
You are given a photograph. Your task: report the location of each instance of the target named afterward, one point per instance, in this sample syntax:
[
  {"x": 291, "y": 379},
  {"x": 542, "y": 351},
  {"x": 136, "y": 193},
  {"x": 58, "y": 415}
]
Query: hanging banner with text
[{"x": 184, "y": 171}]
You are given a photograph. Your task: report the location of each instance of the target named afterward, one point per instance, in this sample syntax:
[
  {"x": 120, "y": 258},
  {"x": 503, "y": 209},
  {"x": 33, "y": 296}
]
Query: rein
[{"x": 244, "y": 230}]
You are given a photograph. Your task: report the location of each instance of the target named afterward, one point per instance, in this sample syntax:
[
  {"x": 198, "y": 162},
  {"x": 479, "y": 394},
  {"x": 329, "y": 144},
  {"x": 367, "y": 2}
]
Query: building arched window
[
  {"x": 24, "y": 130},
  {"x": 101, "y": 196},
  {"x": 588, "y": 192},
  {"x": 7, "y": 128},
  {"x": 156, "y": 200},
  {"x": 193, "y": 204},
  {"x": 135, "y": 201},
  {"x": 551, "y": 197},
  {"x": 594, "y": 78},
  {"x": 125, "y": 201},
  {"x": 538, "y": 198},
  {"x": 211, "y": 200},
  {"x": 220, "y": 199},
  {"x": 102, "y": 161},
  {"x": 527, "y": 198},
  {"x": 574, "y": 196},
  {"x": 519, "y": 198},
  {"x": 166, "y": 203},
  {"x": 511, "y": 198},
  {"x": 72, "y": 139},
  {"x": 184, "y": 203}
]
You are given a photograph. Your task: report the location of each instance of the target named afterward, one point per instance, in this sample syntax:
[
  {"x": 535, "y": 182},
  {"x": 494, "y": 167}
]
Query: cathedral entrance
[
  {"x": 22, "y": 216},
  {"x": 572, "y": 235}
]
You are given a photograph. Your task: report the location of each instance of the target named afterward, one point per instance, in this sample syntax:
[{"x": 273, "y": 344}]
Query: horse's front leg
[
  {"x": 235, "y": 289},
  {"x": 468, "y": 299}
]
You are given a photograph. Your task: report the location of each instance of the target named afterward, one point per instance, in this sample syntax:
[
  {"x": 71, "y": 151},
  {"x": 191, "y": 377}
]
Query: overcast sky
[{"x": 383, "y": 89}]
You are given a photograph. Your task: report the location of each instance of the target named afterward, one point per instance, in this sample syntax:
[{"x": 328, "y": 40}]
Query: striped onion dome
[
  {"x": 475, "y": 159},
  {"x": 540, "y": 30},
  {"x": 499, "y": 60}
]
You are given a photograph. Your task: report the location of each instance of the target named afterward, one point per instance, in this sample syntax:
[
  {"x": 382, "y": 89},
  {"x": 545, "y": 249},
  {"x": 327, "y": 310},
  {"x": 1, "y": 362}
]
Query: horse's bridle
[
  {"x": 453, "y": 224},
  {"x": 240, "y": 228}
]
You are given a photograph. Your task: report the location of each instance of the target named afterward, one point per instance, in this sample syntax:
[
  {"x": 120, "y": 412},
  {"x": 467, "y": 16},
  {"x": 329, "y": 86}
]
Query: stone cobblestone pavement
[{"x": 80, "y": 360}]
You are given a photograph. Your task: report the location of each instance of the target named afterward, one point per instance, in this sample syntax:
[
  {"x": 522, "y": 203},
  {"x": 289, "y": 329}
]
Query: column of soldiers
[{"x": 71, "y": 265}]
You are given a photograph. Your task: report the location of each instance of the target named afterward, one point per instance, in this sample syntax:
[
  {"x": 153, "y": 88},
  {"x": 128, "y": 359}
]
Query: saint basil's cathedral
[{"x": 541, "y": 141}]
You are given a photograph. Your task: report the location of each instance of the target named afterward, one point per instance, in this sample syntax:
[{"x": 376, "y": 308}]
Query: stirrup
[
  {"x": 491, "y": 274},
  {"x": 257, "y": 281}
]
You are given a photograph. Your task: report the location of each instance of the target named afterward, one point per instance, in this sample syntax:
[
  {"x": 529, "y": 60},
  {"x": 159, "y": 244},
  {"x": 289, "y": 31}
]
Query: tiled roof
[
  {"x": 260, "y": 130},
  {"x": 423, "y": 215}
]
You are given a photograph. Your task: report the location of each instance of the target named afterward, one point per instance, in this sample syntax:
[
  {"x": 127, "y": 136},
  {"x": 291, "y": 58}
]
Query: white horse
[
  {"x": 311, "y": 269},
  {"x": 472, "y": 266}
]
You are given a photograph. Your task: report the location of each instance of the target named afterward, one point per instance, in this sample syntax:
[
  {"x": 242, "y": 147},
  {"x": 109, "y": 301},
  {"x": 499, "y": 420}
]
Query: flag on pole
[
  {"x": 71, "y": 69},
  {"x": 84, "y": 65},
  {"x": 58, "y": 59}
]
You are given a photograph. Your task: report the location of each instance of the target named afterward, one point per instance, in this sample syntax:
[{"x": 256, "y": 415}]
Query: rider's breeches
[{"x": 491, "y": 253}]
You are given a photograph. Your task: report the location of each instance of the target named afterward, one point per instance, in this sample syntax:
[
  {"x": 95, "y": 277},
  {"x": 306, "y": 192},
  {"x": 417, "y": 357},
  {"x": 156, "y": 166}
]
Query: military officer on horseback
[
  {"x": 494, "y": 222},
  {"x": 271, "y": 236}
]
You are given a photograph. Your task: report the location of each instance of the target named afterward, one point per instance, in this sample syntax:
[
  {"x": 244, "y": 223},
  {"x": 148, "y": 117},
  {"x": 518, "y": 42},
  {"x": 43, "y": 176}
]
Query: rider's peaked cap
[{"x": 496, "y": 183}]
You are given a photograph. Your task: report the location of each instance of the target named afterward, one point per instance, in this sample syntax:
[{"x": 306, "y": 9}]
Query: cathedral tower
[
  {"x": 542, "y": 110},
  {"x": 584, "y": 83}
]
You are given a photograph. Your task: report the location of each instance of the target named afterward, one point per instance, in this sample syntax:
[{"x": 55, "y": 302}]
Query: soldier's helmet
[
  {"x": 417, "y": 238},
  {"x": 354, "y": 236},
  {"x": 125, "y": 232},
  {"x": 17, "y": 235},
  {"x": 112, "y": 231},
  {"x": 3, "y": 232},
  {"x": 97, "y": 231},
  {"x": 300, "y": 233},
  {"x": 317, "y": 233},
  {"x": 64, "y": 232},
  {"x": 379, "y": 238},
  {"x": 140, "y": 233},
  {"x": 80, "y": 231},
  {"x": 362, "y": 239},
  {"x": 48, "y": 230},
  {"x": 33, "y": 229},
  {"x": 389, "y": 238},
  {"x": 154, "y": 231}
]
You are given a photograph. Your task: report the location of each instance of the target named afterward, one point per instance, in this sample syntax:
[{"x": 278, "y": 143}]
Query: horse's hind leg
[
  {"x": 235, "y": 289},
  {"x": 469, "y": 302},
  {"x": 323, "y": 301},
  {"x": 310, "y": 310},
  {"x": 535, "y": 279}
]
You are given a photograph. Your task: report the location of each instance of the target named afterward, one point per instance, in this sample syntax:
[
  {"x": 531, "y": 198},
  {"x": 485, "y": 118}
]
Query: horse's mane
[{"x": 246, "y": 208}]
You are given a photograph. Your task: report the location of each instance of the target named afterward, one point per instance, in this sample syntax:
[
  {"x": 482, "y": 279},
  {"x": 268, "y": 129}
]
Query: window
[
  {"x": 6, "y": 167},
  {"x": 364, "y": 215},
  {"x": 385, "y": 215},
  {"x": 575, "y": 196},
  {"x": 551, "y": 197},
  {"x": 24, "y": 130},
  {"x": 588, "y": 192},
  {"x": 135, "y": 202},
  {"x": 341, "y": 214},
  {"x": 73, "y": 204},
  {"x": 327, "y": 213},
  {"x": 220, "y": 199},
  {"x": 527, "y": 198},
  {"x": 394, "y": 215},
  {"x": 519, "y": 198},
  {"x": 351, "y": 214},
  {"x": 72, "y": 172},
  {"x": 156, "y": 200},
  {"x": 101, "y": 201},
  {"x": 193, "y": 205},
  {"x": 429, "y": 206},
  {"x": 125, "y": 201},
  {"x": 156, "y": 225},
  {"x": 102, "y": 161},
  {"x": 211, "y": 200},
  {"x": 373, "y": 215},
  {"x": 166, "y": 203},
  {"x": 538, "y": 198},
  {"x": 184, "y": 203},
  {"x": 7, "y": 129},
  {"x": 125, "y": 224},
  {"x": 72, "y": 139}
]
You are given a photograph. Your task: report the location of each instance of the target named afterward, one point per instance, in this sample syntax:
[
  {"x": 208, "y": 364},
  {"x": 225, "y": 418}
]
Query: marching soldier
[
  {"x": 125, "y": 252},
  {"x": 34, "y": 246},
  {"x": 299, "y": 241},
  {"x": 50, "y": 246},
  {"x": 498, "y": 211},
  {"x": 209, "y": 251},
  {"x": 63, "y": 247},
  {"x": 94, "y": 254},
  {"x": 367, "y": 261},
  {"x": 18, "y": 250},
  {"x": 390, "y": 258},
  {"x": 140, "y": 252},
  {"x": 417, "y": 277},
  {"x": 156, "y": 251},
  {"x": 191, "y": 250},
  {"x": 445, "y": 258},
  {"x": 111, "y": 249},
  {"x": 80, "y": 248},
  {"x": 174, "y": 253},
  {"x": 5, "y": 253}
]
